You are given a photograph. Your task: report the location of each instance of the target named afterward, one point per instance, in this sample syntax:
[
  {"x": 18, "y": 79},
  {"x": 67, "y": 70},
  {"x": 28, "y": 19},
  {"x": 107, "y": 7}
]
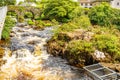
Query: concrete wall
[{"x": 3, "y": 12}]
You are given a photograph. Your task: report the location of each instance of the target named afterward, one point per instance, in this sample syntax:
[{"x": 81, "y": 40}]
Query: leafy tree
[
  {"x": 7, "y": 2},
  {"x": 101, "y": 15},
  {"x": 61, "y": 10}
]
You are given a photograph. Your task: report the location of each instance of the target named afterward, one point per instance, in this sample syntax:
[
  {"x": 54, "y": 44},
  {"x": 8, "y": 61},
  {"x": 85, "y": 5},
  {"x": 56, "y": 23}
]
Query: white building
[
  {"x": 85, "y": 3},
  {"x": 115, "y": 4},
  {"x": 90, "y": 3}
]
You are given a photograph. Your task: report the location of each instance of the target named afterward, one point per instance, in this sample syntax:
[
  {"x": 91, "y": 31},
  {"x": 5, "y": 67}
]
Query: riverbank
[{"x": 82, "y": 46}]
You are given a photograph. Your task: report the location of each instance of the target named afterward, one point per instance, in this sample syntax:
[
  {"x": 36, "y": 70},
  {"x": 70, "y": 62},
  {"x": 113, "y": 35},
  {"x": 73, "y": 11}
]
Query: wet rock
[
  {"x": 25, "y": 34},
  {"x": 99, "y": 54},
  {"x": 77, "y": 34},
  {"x": 88, "y": 36},
  {"x": 37, "y": 51},
  {"x": 21, "y": 24},
  {"x": 12, "y": 35},
  {"x": 101, "y": 57}
]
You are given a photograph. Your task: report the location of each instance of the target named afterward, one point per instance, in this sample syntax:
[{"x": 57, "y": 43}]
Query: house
[
  {"x": 115, "y": 4},
  {"x": 91, "y": 3},
  {"x": 85, "y": 3}
]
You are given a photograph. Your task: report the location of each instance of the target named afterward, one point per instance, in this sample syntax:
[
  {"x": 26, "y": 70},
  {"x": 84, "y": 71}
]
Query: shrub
[
  {"x": 54, "y": 22},
  {"x": 67, "y": 27},
  {"x": 62, "y": 11},
  {"x": 82, "y": 21},
  {"x": 28, "y": 15},
  {"x": 79, "y": 51},
  {"x": 48, "y": 24},
  {"x": 101, "y": 15},
  {"x": 80, "y": 47},
  {"x": 7, "y": 2},
  {"x": 9, "y": 23},
  {"x": 20, "y": 19},
  {"x": 30, "y": 22},
  {"x": 107, "y": 43},
  {"x": 39, "y": 24},
  {"x": 11, "y": 13},
  {"x": 116, "y": 18}
]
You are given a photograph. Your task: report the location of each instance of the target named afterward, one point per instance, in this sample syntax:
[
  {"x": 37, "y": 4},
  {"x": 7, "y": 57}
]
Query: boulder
[
  {"x": 77, "y": 34},
  {"x": 101, "y": 57},
  {"x": 37, "y": 51}
]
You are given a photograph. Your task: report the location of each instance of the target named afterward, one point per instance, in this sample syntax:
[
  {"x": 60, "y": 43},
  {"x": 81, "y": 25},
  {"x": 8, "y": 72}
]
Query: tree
[
  {"x": 7, "y": 2},
  {"x": 61, "y": 10},
  {"x": 102, "y": 15}
]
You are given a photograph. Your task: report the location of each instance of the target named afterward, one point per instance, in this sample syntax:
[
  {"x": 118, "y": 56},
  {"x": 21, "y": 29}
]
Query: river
[{"x": 30, "y": 60}]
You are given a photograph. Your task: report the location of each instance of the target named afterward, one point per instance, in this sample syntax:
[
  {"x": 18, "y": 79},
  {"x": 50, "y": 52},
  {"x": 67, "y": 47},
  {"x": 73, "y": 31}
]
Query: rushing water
[{"x": 25, "y": 65}]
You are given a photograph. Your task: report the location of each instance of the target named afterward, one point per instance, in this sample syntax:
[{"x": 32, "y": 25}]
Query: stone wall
[{"x": 3, "y": 12}]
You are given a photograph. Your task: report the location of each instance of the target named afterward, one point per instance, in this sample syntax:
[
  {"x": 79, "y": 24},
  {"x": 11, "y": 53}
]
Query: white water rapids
[{"x": 25, "y": 65}]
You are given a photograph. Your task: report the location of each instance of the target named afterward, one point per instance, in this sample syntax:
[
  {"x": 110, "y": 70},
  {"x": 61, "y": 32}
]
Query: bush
[
  {"x": 82, "y": 21},
  {"x": 20, "y": 19},
  {"x": 101, "y": 15},
  {"x": 28, "y": 15},
  {"x": 39, "y": 24},
  {"x": 30, "y": 22},
  {"x": 62, "y": 11},
  {"x": 80, "y": 51},
  {"x": 116, "y": 18},
  {"x": 54, "y": 22},
  {"x": 48, "y": 24},
  {"x": 107, "y": 43},
  {"x": 67, "y": 27},
  {"x": 9, "y": 23},
  {"x": 7, "y": 2},
  {"x": 80, "y": 47},
  {"x": 11, "y": 13}
]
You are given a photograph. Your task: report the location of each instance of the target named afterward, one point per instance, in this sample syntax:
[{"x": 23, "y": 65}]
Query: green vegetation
[
  {"x": 28, "y": 15},
  {"x": 7, "y": 2},
  {"x": 79, "y": 51},
  {"x": 94, "y": 29},
  {"x": 61, "y": 10},
  {"x": 107, "y": 43},
  {"x": 9, "y": 23},
  {"x": 30, "y": 22},
  {"x": 104, "y": 15}
]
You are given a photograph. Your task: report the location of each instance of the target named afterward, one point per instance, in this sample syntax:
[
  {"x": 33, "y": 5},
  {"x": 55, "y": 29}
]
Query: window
[
  {"x": 81, "y": 4},
  {"x": 86, "y": 4},
  {"x": 91, "y": 4},
  {"x": 117, "y": 3}
]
